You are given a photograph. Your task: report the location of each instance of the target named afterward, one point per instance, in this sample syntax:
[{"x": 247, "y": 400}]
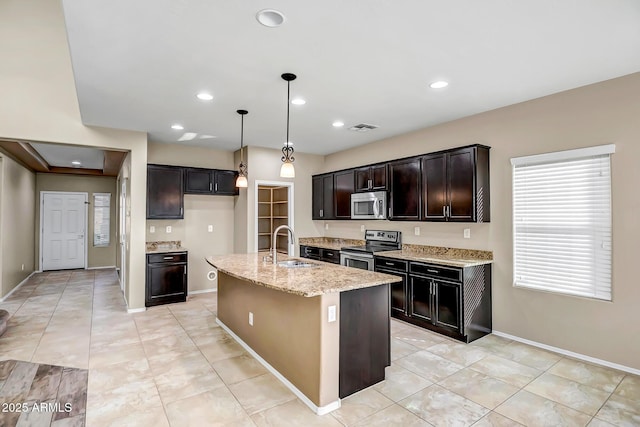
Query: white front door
[{"x": 63, "y": 222}]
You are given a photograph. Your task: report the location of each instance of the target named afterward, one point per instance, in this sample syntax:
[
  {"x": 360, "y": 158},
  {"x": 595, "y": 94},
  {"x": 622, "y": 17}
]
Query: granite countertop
[
  {"x": 439, "y": 255},
  {"x": 304, "y": 281},
  {"x": 164, "y": 247},
  {"x": 329, "y": 242}
]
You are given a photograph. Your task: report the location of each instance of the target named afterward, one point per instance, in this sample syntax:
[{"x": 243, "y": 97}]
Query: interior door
[{"x": 63, "y": 227}]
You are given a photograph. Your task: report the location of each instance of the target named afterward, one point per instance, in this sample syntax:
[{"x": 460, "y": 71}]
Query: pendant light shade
[
  {"x": 287, "y": 170},
  {"x": 241, "y": 181}
]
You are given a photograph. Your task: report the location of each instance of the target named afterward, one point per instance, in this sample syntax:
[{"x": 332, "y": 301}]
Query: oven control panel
[{"x": 382, "y": 236}]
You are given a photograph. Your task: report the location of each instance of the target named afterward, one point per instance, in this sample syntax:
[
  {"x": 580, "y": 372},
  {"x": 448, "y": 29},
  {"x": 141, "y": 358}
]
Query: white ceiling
[
  {"x": 138, "y": 65},
  {"x": 63, "y": 155}
]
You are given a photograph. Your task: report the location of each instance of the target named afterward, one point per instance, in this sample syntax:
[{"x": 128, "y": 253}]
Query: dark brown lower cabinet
[
  {"x": 452, "y": 301},
  {"x": 321, "y": 254},
  {"x": 365, "y": 348},
  {"x": 166, "y": 278}
]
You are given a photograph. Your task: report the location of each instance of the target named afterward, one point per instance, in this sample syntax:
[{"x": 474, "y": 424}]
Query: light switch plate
[
  {"x": 467, "y": 233},
  {"x": 210, "y": 228},
  {"x": 168, "y": 229},
  {"x": 326, "y": 226},
  {"x": 251, "y": 318},
  {"x": 416, "y": 231},
  {"x": 152, "y": 229},
  {"x": 331, "y": 313},
  {"x": 362, "y": 228}
]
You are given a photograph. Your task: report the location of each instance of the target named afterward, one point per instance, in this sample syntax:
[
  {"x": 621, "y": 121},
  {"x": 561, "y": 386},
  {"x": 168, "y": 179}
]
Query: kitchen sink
[{"x": 295, "y": 263}]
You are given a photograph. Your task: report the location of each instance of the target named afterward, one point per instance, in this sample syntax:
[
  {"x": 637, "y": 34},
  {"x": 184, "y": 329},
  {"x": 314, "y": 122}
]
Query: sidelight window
[{"x": 562, "y": 222}]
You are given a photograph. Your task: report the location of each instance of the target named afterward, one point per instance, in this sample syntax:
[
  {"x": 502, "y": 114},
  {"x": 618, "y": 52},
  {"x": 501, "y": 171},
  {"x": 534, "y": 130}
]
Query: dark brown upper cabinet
[
  {"x": 455, "y": 185},
  {"x": 405, "y": 182},
  {"x": 165, "y": 192},
  {"x": 343, "y": 188},
  {"x": 224, "y": 183},
  {"x": 210, "y": 181},
  {"x": 371, "y": 178},
  {"x": 322, "y": 197}
]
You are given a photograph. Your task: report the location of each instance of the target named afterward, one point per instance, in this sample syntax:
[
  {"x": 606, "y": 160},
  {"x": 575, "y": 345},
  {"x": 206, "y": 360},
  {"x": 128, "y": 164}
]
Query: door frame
[
  {"x": 122, "y": 230},
  {"x": 289, "y": 186},
  {"x": 86, "y": 224}
]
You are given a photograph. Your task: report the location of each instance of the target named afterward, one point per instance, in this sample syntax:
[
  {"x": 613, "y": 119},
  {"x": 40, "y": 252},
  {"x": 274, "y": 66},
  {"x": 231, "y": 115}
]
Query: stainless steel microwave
[{"x": 371, "y": 205}]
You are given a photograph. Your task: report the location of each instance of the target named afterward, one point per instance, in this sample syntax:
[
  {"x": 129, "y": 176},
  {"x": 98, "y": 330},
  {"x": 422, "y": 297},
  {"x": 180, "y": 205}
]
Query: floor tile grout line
[{"x": 50, "y": 317}]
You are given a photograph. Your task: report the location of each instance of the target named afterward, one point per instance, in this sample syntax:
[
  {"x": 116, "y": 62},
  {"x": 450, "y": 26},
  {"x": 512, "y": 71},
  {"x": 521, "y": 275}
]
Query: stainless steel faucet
[{"x": 273, "y": 240}]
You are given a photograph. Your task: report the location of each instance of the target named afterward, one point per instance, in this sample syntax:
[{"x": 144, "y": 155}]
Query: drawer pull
[
  {"x": 430, "y": 270},
  {"x": 168, "y": 257},
  {"x": 388, "y": 263},
  {"x": 329, "y": 254}
]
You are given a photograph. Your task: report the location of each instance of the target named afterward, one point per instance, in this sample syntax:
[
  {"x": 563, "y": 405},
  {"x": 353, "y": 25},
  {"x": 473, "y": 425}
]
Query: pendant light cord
[{"x": 288, "y": 105}]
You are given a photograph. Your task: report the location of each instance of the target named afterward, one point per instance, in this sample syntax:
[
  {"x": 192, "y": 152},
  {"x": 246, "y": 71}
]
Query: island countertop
[{"x": 304, "y": 281}]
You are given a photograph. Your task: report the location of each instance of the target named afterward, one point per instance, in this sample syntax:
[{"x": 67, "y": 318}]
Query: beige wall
[
  {"x": 39, "y": 103},
  {"x": 264, "y": 165},
  {"x": 200, "y": 211},
  {"x": 298, "y": 342},
  {"x": 603, "y": 113},
  {"x": 17, "y": 216},
  {"x": 96, "y": 256}
]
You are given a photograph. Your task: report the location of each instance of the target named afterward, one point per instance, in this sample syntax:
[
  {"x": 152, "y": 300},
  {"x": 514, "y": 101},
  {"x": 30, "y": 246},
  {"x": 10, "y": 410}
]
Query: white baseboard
[
  {"x": 320, "y": 410},
  {"x": 100, "y": 268},
  {"x": 136, "y": 310},
  {"x": 202, "y": 291},
  {"x": 17, "y": 286},
  {"x": 569, "y": 353}
]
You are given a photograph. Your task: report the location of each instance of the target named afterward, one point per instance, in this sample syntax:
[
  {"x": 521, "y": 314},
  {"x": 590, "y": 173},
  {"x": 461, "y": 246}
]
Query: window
[{"x": 562, "y": 222}]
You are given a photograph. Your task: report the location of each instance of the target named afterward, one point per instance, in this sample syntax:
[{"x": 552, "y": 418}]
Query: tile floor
[{"x": 173, "y": 366}]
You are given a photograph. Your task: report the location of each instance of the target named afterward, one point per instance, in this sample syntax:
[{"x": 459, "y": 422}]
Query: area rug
[{"x": 33, "y": 394}]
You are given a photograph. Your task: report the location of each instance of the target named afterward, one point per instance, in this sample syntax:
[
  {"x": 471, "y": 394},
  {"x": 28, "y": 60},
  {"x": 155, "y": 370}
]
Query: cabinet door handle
[
  {"x": 444, "y": 211},
  {"x": 216, "y": 190},
  {"x": 321, "y": 213},
  {"x": 185, "y": 270},
  {"x": 181, "y": 211},
  {"x": 431, "y": 290},
  {"x": 370, "y": 184},
  {"x": 210, "y": 186}
]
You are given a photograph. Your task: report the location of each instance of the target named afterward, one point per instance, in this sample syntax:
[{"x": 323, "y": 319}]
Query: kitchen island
[{"x": 323, "y": 330}]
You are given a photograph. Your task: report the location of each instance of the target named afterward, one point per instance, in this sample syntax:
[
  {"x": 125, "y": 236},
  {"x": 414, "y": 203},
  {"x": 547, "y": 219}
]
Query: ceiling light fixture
[
  {"x": 203, "y": 96},
  {"x": 439, "y": 84},
  {"x": 270, "y": 18},
  {"x": 287, "y": 170},
  {"x": 337, "y": 124},
  {"x": 177, "y": 127},
  {"x": 241, "y": 181},
  {"x": 298, "y": 101}
]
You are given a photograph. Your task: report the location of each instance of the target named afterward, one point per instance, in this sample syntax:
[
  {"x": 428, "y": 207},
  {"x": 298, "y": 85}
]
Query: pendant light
[
  {"x": 287, "y": 170},
  {"x": 241, "y": 181}
]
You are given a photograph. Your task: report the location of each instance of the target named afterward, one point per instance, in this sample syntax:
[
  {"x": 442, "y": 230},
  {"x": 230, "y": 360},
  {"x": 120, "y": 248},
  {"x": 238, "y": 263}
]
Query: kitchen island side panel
[{"x": 290, "y": 332}]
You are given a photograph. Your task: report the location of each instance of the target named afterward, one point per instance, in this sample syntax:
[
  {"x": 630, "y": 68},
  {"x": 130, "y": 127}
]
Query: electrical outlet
[
  {"x": 251, "y": 318},
  {"x": 22, "y": 267},
  {"x": 152, "y": 229},
  {"x": 326, "y": 226},
  {"x": 467, "y": 233},
  {"x": 362, "y": 228},
  {"x": 168, "y": 229},
  {"x": 416, "y": 231},
  {"x": 210, "y": 228},
  {"x": 331, "y": 313}
]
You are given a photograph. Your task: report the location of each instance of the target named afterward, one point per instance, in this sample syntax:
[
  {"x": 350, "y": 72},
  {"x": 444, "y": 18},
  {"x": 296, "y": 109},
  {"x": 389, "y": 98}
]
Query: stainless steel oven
[
  {"x": 357, "y": 260},
  {"x": 375, "y": 241}
]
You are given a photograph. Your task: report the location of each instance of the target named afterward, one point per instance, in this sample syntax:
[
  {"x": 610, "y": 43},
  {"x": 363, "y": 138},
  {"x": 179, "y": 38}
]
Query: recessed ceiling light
[
  {"x": 439, "y": 84},
  {"x": 337, "y": 124},
  {"x": 270, "y": 18},
  {"x": 187, "y": 136},
  {"x": 76, "y": 163},
  {"x": 206, "y": 137},
  {"x": 177, "y": 127},
  {"x": 203, "y": 96},
  {"x": 298, "y": 101}
]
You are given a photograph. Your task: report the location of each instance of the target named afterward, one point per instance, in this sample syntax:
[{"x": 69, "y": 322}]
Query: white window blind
[{"x": 562, "y": 222}]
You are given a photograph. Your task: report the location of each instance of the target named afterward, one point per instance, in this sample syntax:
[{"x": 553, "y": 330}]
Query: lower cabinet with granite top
[
  {"x": 454, "y": 301},
  {"x": 166, "y": 278}
]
